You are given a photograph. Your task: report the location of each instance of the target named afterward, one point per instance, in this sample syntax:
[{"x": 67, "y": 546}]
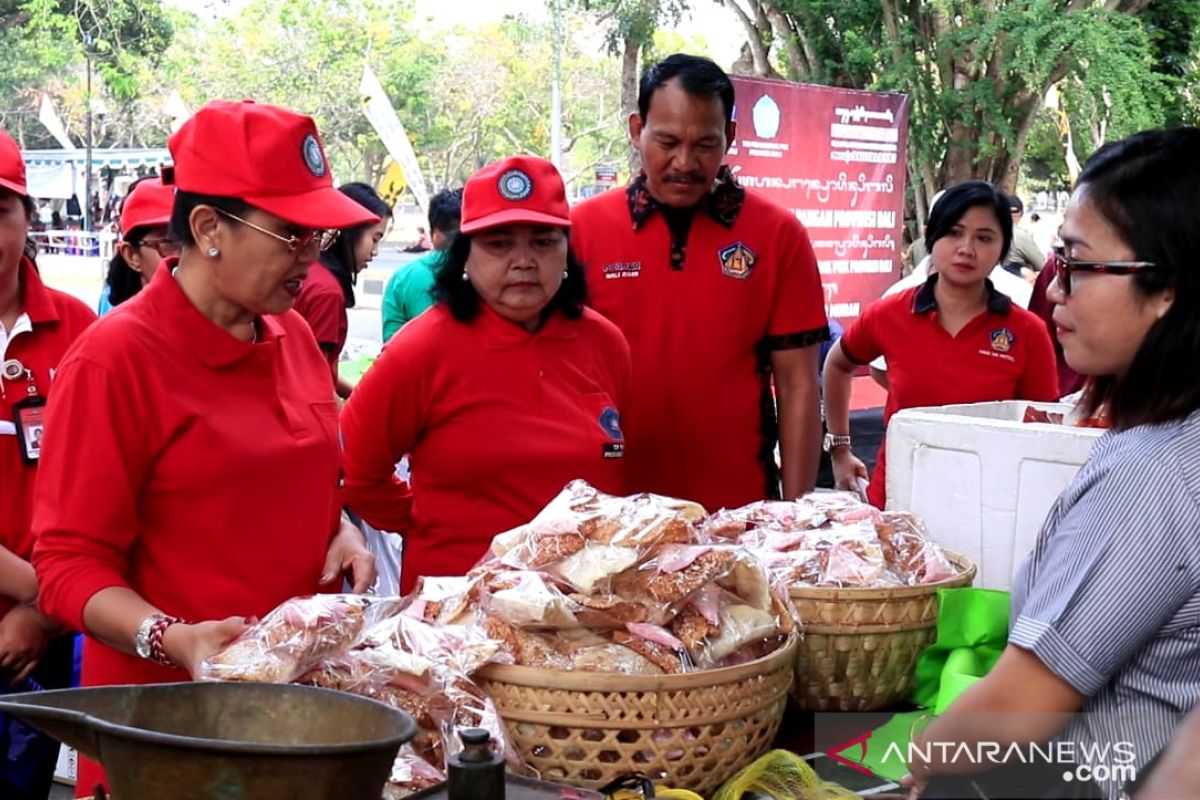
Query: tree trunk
[
  {"x": 754, "y": 37},
  {"x": 629, "y": 94}
]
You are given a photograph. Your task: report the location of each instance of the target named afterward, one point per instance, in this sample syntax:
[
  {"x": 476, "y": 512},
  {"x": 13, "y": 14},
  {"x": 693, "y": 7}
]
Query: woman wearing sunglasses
[
  {"x": 189, "y": 478},
  {"x": 954, "y": 339},
  {"x": 1104, "y": 645},
  {"x": 144, "y": 242}
]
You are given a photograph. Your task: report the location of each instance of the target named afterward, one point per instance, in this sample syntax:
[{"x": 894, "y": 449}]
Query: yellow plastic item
[
  {"x": 781, "y": 775},
  {"x": 667, "y": 793},
  {"x": 660, "y": 793}
]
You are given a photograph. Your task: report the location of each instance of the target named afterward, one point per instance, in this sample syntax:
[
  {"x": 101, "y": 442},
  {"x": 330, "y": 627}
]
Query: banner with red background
[{"x": 836, "y": 159}]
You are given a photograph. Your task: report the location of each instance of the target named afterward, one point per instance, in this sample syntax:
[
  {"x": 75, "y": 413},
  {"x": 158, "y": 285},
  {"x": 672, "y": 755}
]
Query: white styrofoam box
[
  {"x": 65, "y": 769},
  {"x": 981, "y": 479}
]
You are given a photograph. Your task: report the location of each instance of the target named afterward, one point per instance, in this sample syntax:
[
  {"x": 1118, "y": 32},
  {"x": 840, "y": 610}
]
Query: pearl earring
[
  {"x": 464, "y": 276},
  {"x": 566, "y": 274},
  {"x": 213, "y": 252}
]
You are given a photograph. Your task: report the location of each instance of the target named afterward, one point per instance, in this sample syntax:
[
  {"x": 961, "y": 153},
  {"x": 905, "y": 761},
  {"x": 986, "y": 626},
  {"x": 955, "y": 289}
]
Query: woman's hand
[
  {"x": 848, "y": 469},
  {"x": 348, "y": 556},
  {"x": 189, "y": 644},
  {"x": 25, "y": 633}
]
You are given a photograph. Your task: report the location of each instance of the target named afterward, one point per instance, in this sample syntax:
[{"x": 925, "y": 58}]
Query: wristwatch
[
  {"x": 833, "y": 440},
  {"x": 148, "y": 639}
]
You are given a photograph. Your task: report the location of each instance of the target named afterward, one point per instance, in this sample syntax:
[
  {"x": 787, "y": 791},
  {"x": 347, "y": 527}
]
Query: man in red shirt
[{"x": 718, "y": 293}]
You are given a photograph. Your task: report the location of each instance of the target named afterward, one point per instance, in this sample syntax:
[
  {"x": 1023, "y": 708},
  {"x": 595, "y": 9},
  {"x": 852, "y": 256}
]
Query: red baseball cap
[
  {"x": 148, "y": 204},
  {"x": 268, "y": 156},
  {"x": 515, "y": 189},
  {"x": 12, "y": 166}
]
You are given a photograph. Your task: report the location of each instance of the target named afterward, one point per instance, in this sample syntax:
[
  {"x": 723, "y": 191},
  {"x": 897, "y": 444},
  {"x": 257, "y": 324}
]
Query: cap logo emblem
[
  {"x": 314, "y": 159},
  {"x": 515, "y": 185}
]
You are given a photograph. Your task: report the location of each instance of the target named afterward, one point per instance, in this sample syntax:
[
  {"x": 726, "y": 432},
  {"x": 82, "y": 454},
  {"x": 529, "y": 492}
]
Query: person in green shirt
[{"x": 409, "y": 290}]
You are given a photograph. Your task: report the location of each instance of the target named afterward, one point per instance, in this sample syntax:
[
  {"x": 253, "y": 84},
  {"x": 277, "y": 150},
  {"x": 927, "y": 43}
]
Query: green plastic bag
[{"x": 972, "y": 631}]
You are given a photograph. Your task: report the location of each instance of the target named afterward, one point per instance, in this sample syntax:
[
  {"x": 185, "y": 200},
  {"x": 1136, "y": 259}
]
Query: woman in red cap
[
  {"x": 37, "y": 325},
  {"x": 191, "y": 476},
  {"x": 502, "y": 393},
  {"x": 144, "y": 242},
  {"x": 329, "y": 288}
]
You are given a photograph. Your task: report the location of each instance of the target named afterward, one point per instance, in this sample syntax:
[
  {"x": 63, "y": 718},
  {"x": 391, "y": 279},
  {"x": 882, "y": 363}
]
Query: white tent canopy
[{"x": 60, "y": 173}]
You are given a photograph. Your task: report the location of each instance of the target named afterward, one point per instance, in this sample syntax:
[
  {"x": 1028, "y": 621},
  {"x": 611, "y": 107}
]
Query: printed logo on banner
[
  {"x": 737, "y": 260},
  {"x": 1002, "y": 340},
  {"x": 766, "y": 117}
]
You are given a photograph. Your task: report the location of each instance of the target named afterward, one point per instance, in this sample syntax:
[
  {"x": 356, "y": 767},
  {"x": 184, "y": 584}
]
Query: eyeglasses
[
  {"x": 323, "y": 238},
  {"x": 164, "y": 247},
  {"x": 1065, "y": 265}
]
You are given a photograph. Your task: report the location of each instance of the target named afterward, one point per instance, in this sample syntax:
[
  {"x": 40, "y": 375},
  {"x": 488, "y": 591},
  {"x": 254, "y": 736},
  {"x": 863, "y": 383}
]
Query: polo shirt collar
[
  {"x": 501, "y": 334},
  {"x": 924, "y": 300},
  {"x": 211, "y": 343},
  {"x": 35, "y": 297},
  {"x": 723, "y": 203}
]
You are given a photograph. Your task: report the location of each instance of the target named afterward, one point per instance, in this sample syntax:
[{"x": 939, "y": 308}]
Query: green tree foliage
[
  {"x": 629, "y": 27},
  {"x": 977, "y": 71},
  {"x": 309, "y": 55},
  {"x": 494, "y": 100},
  {"x": 45, "y": 45}
]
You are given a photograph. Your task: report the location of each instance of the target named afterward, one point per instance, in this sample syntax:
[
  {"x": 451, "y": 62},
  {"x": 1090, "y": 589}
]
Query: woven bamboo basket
[
  {"x": 691, "y": 731},
  {"x": 860, "y": 646}
]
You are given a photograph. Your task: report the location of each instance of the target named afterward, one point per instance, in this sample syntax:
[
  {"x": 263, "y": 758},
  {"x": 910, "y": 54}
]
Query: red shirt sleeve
[
  {"x": 799, "y": 297},
  {"x": 323, "y": 312},
  {"x": 861, "y": 340},
  {"x": 84, "y": 530},
  {"x": 1039, "y": 380},
  {"x": 380, "y": 424}
]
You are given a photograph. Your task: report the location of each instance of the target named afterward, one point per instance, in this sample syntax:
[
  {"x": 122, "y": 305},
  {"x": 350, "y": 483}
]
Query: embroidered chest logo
[
  {"x": 610, "y": 423},
  {"x": 1002, "y": 340},
  {"x": 622, "y": 269},
  {"x": 737, "y": 260}
]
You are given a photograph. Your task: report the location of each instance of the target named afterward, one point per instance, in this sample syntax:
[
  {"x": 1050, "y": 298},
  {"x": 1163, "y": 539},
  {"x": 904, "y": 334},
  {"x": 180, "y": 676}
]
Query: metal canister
[{"x": 477, "y": 773}]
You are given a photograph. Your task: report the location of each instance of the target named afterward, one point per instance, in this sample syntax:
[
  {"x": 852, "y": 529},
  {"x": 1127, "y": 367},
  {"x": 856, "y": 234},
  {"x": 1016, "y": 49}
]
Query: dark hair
[
  {"x": 1015, "y": 206},
  {"x": 445, "y": 210},
  {"x": 697, "y": 75},
  {"x": 123, "y": 280},
  {"x": 961, "y": 198},
  {"x": 1148, "y": 188},
  {"x": 30, "y": 208},
  {"x": 339, "y": 259},
  {"x": 180, "y": 228},
  {"x": 459, "y": 295}
]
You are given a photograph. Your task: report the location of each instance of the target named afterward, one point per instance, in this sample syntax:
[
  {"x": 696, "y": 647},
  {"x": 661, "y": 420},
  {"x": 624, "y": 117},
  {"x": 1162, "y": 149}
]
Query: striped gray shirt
[{"x": 1109, "y": 599}]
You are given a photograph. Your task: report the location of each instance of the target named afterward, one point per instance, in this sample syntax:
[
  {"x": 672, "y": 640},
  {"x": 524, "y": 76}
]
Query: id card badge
[{"x": 29, "y": 415}]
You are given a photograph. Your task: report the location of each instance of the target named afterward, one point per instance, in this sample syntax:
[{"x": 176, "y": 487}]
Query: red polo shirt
[
  {"x": 322, "y": 303},
  {"x": 702, "y": 316},
  {"x": 1004, "y": 353},
  {"x": 56, "y": 319},
  {"x": 496, "y": 421},
  {"x": 197, "y": 469}
]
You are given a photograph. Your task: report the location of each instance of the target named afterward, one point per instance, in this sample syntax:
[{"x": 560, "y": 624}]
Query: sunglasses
[
  {"x": 164, "y": 247},
  {"x": 1065, "y": 266},
  {"x": 324, "y": 239}
]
